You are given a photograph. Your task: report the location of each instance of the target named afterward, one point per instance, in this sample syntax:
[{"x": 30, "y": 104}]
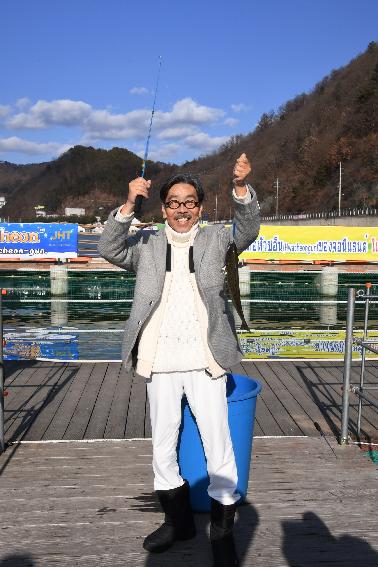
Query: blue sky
[{"x": 84, "y": 71}]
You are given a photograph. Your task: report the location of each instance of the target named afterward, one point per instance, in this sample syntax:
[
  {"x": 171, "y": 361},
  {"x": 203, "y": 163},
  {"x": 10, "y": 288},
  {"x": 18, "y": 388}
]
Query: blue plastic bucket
[{"x": 242, "y": 392}]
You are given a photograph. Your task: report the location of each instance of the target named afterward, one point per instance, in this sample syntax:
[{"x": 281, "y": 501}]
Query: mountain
[
  {"x": 12, "y": 175},
  {"x": 301, "y": 143},
  {"x": 85, "y": 177}
]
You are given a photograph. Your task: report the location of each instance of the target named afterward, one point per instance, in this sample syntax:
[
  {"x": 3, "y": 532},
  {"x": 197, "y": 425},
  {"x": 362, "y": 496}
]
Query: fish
[{"x": 232, "y": 271}]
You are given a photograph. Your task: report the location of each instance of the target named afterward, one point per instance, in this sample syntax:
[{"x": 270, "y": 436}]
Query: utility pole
[
  {"x": 277, "y": 188},
  {"x": 216, "y": 207},
  {"x": 340, "y": 189}
]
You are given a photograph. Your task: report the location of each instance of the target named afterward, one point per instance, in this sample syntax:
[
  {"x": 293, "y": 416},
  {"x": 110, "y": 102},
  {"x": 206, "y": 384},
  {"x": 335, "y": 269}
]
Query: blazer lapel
[
  {"x": 199, "y": 247},
  {"x": 159, "y": 250}
]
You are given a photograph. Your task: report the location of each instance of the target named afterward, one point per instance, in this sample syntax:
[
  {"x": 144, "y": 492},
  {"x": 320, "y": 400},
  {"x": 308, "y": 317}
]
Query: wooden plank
[
  {"x": 286, "y": 395},
  {"x": 288, "y": 372},
  {"x": 323, "y": 397},
  {"x": 91, "y": 504},
  {"x": 323, "y": 381},
  {"x": 16, "y": 387},
  {"x": 370, "y": 378},
  {"x": 63, "y": 414},
  {"x": 12, "y": 369},
  {"x": 369, "y": 415},
  {"x": 53, "y": 400},
  {"x": 274, "y": 412},
  {"x": 84, "y": 408},
  {"x": 103, "y": 407},
  {"x": 137, "y": 408},
  {"x": 257, "y": 427},
  {"x": 36, "y": 402},
  {"x": 99, "y": 417},
  {"x": 264, "y": 419},
  {"x": 32, "y": 387},
  {"x": 237, "y": 369},
  {"x": 116, "y": 423}
]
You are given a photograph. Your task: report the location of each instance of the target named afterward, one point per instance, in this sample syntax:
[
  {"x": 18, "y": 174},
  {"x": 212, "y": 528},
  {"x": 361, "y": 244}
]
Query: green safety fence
[{"x": 276, "y": 299}]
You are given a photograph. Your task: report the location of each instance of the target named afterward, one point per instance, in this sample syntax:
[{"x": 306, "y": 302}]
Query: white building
[
  {"x": 2, "y": 201},
  {"x": 69, "y": 211}
]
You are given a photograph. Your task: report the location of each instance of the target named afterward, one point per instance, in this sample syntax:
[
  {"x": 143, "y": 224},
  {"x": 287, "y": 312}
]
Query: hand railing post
[
  {"x": 363, "y": 356},
  {"x": 344, "y": 439}
]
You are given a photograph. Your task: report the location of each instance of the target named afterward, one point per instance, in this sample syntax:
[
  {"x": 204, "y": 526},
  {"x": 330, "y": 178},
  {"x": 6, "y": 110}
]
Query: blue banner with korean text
[{"x": 38, "y": 240}]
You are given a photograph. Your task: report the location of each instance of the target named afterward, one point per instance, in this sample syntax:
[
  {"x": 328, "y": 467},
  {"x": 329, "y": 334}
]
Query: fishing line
[{"x": 139, "y": 199}]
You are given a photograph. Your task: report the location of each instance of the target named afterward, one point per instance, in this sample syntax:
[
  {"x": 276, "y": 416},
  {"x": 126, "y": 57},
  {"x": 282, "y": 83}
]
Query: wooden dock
[
  {"x": 78, "y": 489},
  {"x": 90, "y": 504},
  {"x": 55, "y": 401}
]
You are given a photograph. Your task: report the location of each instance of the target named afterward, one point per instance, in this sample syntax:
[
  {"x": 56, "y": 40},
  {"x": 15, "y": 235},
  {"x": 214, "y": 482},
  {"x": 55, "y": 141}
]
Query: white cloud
[
  {"x": 205, "y": 143},
  {"x": 184, "y": 122},
  {"x": 57, "y": 112},
  {"x": 231, "y": 121},
  {"x": 166, "y": 152},
  {"x": 187, "y": 111},
  {"x": 240, "y": 107},
  {"x": 4, "y": 110},
  {"x": 101, "y": 124},
  {"x": 139, "y": 90},
  {"x": 15, "y": 144},
  {"x": 23, "y": 102},
  {"x": 177, "y": 132}
]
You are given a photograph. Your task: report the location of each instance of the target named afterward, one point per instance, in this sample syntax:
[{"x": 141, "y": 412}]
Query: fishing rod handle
[{"x": 138, "y": 204}]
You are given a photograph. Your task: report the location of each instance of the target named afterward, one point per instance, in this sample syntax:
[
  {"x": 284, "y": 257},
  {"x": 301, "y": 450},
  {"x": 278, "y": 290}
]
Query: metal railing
[
  {"x": 356, "y": 212},
  {"x": 366, "y": 344}
]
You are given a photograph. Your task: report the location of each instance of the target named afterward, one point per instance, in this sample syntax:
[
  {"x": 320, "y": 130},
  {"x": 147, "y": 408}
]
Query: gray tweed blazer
[{"x": 145, "y": 254}]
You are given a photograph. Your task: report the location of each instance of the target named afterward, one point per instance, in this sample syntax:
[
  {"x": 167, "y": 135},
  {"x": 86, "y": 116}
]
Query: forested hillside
[{"x": 301, "y": 143}]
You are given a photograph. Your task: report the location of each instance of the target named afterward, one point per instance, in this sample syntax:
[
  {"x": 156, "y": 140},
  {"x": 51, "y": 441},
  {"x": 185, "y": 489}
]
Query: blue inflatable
[{"x": 242, "y": 392}]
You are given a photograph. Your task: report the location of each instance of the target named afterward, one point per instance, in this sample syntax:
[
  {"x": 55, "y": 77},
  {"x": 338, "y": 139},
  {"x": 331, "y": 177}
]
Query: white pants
[{"x": 207, "y": 400}]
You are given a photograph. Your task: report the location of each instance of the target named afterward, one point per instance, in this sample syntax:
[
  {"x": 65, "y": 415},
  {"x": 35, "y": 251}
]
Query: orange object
[
  {"x": 3, "y": 292},
  {"x": 369, "y": 285}
]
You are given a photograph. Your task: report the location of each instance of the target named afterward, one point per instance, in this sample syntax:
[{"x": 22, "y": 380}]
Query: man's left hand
[{"x": 241, "y": 170}]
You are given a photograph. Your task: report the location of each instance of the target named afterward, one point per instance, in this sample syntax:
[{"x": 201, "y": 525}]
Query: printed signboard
[
  {"x": 39, "y": 344},
  {"x": 337, "y": 243},
  {"x": 38, "y": 240},
  {"x": 300, "y": 344}
]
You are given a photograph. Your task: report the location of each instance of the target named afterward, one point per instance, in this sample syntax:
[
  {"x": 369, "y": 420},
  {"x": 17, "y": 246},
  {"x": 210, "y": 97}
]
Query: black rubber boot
[
  {"x": 179, "y": 521},
  {"x": 221, "y": 537}
]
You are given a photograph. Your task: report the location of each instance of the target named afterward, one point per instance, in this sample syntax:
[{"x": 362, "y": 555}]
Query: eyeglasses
[{"x": 188, "y": 204}]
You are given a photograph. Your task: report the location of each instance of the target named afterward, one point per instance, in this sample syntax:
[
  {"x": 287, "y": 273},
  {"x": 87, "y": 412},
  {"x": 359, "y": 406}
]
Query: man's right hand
[{"x": 139, "y": 186}]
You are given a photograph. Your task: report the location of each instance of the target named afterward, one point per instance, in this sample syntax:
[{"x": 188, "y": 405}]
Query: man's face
[{"x": 182, "y": 219}]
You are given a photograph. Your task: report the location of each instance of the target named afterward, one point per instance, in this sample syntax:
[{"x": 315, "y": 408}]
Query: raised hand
[
  {"x": 242, "y": 169},
  {"x": 138, "y": 186}
]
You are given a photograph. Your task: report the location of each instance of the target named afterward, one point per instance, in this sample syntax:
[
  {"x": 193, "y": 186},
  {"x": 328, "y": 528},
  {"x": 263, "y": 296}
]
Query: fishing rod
[{"x": 139, "y": 199}]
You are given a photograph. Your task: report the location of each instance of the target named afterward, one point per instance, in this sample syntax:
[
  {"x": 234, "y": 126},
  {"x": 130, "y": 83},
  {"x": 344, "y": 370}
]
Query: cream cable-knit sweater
[{"x": 174, "y": 338}]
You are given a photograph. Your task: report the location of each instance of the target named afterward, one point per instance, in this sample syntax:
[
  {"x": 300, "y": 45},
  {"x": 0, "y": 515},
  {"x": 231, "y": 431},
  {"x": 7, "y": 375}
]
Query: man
[{"x": 181, "y": 337}]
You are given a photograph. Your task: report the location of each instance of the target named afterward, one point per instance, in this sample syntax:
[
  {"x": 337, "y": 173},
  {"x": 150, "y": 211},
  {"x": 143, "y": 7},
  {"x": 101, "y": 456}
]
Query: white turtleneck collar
[{"x": 181, "y": 238}]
